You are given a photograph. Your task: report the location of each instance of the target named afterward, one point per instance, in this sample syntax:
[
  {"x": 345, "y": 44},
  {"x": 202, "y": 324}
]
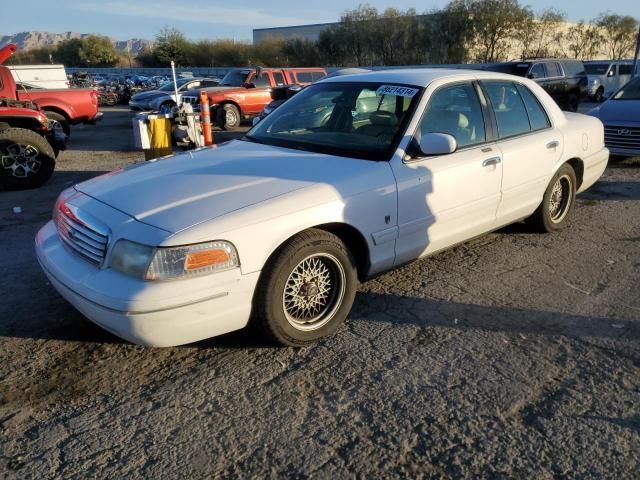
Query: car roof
[{"x": 415, "y": 76}]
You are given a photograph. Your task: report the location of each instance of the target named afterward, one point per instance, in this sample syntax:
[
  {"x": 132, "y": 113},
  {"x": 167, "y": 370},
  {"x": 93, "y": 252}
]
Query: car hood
[
  {"x": 210, "y": 90},
  {"x": 150, "y": 95},
  {"x": 179, "y": 192},
  {"x": 620, "y": 111}
]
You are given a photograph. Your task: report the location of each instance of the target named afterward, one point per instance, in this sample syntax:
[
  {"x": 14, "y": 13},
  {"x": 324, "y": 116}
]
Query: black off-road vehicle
[{"x": 564, "y": 79}]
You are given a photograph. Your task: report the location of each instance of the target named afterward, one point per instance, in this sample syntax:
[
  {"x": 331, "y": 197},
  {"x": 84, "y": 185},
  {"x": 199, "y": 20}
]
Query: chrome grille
[
  {"x": 81, "y": 238},
  {"x": 622, "y": 137},
  {"x": 191, "y": 100}
]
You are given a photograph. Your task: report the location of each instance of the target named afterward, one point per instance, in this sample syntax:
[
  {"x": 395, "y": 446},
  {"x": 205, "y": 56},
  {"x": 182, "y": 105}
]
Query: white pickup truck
[{"x": 280, "y": 226}]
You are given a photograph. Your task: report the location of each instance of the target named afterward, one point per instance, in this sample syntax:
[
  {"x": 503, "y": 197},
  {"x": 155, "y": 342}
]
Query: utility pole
[{"x": 634, "y": 71}]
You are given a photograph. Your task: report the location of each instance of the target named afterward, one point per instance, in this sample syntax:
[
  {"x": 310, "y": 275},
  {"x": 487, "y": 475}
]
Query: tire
[
  {"x": 553, "y": 212},
  {"x": 283, "y": 306},
  {"x": 57, "y": 120},
  {"x": 228, "y": 117},
  {"x": 572, "y": 102},
  {"x": 599, "y": 96},
  {"x": 26, "y": 159}
]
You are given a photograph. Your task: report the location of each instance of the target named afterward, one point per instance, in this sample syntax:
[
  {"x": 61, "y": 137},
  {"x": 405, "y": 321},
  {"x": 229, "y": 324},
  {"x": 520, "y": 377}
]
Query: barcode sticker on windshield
[{"x": 397, "y": 91}]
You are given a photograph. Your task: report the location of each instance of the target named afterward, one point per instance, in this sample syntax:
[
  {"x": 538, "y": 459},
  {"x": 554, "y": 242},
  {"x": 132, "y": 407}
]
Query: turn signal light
[{"x": 205, "y": 258}]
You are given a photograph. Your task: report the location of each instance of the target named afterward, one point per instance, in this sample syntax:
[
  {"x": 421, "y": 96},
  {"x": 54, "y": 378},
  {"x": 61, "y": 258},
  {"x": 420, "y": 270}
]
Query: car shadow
[{"x": 608, "y": 190}]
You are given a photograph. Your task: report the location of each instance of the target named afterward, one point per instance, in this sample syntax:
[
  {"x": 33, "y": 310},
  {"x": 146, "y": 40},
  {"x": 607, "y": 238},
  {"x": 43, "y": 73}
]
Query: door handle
[
  {"x": 554, "y": 144},
  {"x": 491, "y": 161}
]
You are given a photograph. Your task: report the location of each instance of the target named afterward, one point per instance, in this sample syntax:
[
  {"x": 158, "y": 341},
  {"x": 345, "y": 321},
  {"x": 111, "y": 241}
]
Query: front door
[{"x": 446, "y": 199}]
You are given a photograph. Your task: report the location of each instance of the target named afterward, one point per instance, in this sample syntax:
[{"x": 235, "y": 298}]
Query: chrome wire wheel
[
  {"x": 230, "y": 117},
  {"x": 314, "y": 291},
  {"x": 21, "y": 160},
  {"x": 561, "y": 198}
]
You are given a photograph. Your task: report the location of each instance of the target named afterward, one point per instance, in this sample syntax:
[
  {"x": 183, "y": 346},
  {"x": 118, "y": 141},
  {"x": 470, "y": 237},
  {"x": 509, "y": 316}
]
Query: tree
[
  {"x": 31, "y": 56},
  {"x": 171, "y": 45},
  {"x": 68, "y": 53},
  {"x": 447, "y": 33},
  {"x": 495, "y": 23},
  {"x": 540, "y": 36},
  {"x": 619, "y": 34},
  {"x": 302, "y": 52},
  {"x": 582, "y": 41},
  {"x": 356, "y": 30},
  {"x": 97, "y": 51}
]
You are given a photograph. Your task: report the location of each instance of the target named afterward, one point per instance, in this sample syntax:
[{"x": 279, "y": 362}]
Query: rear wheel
[
  {"x": 26, "y": 159},
  {"x": 557, "y": 202},
  {"x": 58, "y": 122},
  {"x": 306, "y": 290}
]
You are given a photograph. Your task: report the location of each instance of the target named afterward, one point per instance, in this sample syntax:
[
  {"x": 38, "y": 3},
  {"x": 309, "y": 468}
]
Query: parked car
[
  {"x": 279, "y": 226},
  {"x": 64, "y": 107},
  {"x": 621, "y": 117},
  {"x": 165, "y": 95},
  {"x": 28, "y": 148},
  {"x": 606, "y": 77},
  {"x": 243, "y": 93},
  {"x": 564, "y": 79}
]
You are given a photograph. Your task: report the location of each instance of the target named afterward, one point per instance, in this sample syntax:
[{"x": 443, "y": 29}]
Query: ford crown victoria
[{"x": 277, "y": 228}]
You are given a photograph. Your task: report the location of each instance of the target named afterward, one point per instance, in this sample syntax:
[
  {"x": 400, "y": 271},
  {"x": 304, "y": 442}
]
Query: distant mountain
[{"x": 27, "y": 40}]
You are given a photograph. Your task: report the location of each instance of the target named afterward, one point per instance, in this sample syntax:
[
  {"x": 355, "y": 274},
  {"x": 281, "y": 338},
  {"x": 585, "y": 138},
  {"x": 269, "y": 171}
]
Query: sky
[{"x": 211, "y": 19}]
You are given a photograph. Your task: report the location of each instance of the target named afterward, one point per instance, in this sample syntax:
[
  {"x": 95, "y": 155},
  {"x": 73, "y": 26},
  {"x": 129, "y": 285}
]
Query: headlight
[
  {"x": 162, "y": 263},
  {"x": 131, "y": 258}
]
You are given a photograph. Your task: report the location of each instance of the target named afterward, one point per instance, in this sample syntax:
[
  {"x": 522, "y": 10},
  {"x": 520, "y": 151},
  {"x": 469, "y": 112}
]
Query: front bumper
[
  {"x": 95, "y": 119},
  {"x": 158, "y": 314}
]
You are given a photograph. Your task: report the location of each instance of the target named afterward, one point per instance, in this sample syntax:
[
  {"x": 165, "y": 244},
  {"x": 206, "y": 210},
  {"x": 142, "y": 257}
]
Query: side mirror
[
  {"x": 249, "y": 85},
  {"x": 437, "y": 144},
  {"x": 531, "y": 76},
  {"x": 612, "y": 73},
  {"x": 255, "y": 121}
]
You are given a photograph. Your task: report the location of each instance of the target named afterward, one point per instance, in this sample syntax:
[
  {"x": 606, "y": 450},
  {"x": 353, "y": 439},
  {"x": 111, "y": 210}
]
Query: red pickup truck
[
  {"x": 244, "y": 92},
  {"x": 63, "y": 107}
]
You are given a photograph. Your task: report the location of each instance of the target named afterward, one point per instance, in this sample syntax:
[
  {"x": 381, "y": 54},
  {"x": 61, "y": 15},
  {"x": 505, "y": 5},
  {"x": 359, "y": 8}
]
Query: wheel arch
[
  {"x": 578, "y": 167},
  {"x": 230, "y": 102},
  {"x": 350, "y": 235},
  {"x": 58, "y": 110}
]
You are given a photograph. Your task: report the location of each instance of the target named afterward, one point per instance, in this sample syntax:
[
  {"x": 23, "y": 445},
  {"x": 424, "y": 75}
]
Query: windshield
[
  {"x": 631, "y": 91},
  {"x": 596, "y": 68},
  {"x": 168, "y": 87},
  {"x": 361, "y": 120},
  {"x": 235, "y": 78}
]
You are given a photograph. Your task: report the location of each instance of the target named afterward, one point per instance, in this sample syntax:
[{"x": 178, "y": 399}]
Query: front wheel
[
  {"x": 228, "y": 117},
  {"x": 26, "y": 159},
  {"x": 306, "y": 290},
  {"x": 557, "y": 202},
  {"x": 599, "y": 96}
]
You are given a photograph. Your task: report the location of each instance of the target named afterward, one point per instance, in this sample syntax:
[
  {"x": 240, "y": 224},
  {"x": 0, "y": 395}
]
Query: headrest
[{"x": 383, "y": 118}]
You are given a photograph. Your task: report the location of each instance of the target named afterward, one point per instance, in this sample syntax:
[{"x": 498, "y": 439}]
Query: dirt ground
[{"x": 516, "y": 355}]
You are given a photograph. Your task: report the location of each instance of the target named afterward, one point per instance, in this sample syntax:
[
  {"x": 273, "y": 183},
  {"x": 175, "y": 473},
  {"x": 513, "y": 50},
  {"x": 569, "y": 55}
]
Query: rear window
[{"x": 304, "y": 77}]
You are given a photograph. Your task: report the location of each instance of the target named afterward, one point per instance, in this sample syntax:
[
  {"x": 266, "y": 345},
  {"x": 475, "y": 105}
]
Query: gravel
[{"x": 515, "y": 355}]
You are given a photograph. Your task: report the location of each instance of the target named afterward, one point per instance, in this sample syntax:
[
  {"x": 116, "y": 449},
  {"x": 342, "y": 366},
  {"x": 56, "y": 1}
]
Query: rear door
[{"x": 529, "y": 147}]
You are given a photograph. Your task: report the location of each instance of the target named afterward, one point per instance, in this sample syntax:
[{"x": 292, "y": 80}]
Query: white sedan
[{"x": 352, "y": 177}]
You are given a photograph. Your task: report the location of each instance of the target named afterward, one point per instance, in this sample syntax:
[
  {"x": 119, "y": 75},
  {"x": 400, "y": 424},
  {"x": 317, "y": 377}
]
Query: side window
[
  {"x": 208, "y": 83},
  {"x": 278, "y": 78},
  {"x": 537, "y": 116},
  {"x": 455, "y": 110},
  {"x": 304, "y": 77},
  {"x": 624, "y": 69},
  {"x": 192, "y": 85},
  {"x": 553, "y": 70},
  {"x": 317, "y": 76},
  {"x": 511, "y": 114},
  {"x": 262, "y": 80},
  {"x": 537, "y": 71}
]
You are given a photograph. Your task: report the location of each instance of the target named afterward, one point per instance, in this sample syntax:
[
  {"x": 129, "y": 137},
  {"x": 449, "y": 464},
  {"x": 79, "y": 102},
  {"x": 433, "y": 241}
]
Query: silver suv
[{"x": 606, "y": 77}]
